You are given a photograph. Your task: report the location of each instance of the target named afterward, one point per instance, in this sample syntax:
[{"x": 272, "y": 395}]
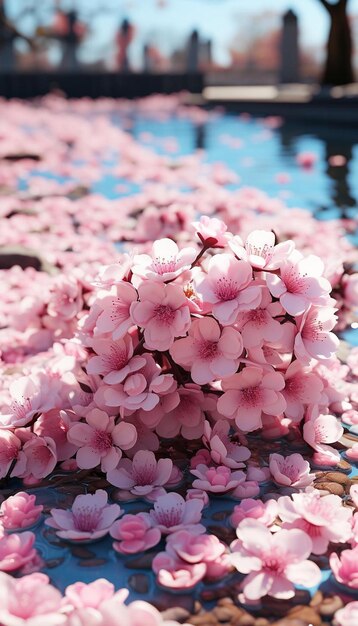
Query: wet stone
[
  {"x": 81, "y": 552},
  {"x": 142, "y": 562},
  {"x": 344, "y": 466},
  {"x": 334, "y": 488},
  {"x": 92, "y": 562},
  {"x": 337, "y": 477},
  {"x": 317, "y": 599},
  {"x": 220, "y": 516},
  {"x": 224, "y": 534},
  {"x": 307, "y": 614},
  {"x": 330, "y": 605},
  {"x": 289, "y": 622},
  {"x": 177, "y": 614},
  {"x": 139, "y": 583},
  {"x": 52, "y": 563},
  {"x": 203, "y": 619}
]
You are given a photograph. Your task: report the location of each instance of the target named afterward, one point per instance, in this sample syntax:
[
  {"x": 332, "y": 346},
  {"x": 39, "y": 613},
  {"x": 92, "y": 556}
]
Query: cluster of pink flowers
[
  {"x": 33, "y": 601},
  {"x": 166, "y": 368},
  {"x": 230, "y": 337}
]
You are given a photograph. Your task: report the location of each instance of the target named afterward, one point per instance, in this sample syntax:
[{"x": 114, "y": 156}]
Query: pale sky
[{"x": 168, "y": 22}]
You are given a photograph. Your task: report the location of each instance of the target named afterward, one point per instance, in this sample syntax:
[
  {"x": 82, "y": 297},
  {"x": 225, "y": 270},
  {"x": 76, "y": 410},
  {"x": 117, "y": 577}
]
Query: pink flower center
[
  {"x": 252, "y": 396},
  {"x": 273, "y": 562},
  {"x": 162, "y": 265},
  {"x": 258, "y": 317},
  {"x": 116, "y": 359},
  {"x": 226, "y": 289},
  {"x": 265, "y": 251},
  {"x": 102, "y": 441},
  {"x": 312, "y": 329},
  {"x": 295, "y": 282},
  {"x": 21, "y": 409},
  {"x": 289, "y": 470},
  {"x": 144, "y": 475},
  {"x": 9, "y": 454},
  {"x": 207, "y": 350},
  {"x": 164, "y": 314},
  {"x": 294, "y": 386},
  {"x": 119, "y": 311},
  {"x": 87, "y": 518},
  {"x": 171, "y": 516}
]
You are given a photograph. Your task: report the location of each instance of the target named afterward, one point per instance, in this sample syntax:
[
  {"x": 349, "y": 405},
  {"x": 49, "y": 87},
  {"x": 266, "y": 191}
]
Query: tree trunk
[{"x": 338, "y": 68}]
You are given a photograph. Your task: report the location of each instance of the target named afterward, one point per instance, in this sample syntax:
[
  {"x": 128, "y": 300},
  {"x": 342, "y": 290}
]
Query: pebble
[
  {"x": 305, "y": 613},
  {"x": 334, "y": 488},
  {"x": 344, "y": 466},
  {"x": 289, "y": 622},
  {"x": 330, "y": 605},
  {"x": 224, "y": 534},
  {"x": 337, "y": 477},
  {"x": 142, "y": 562},
  {"x": 220, "y": 516},
  {"x": 317, "y": 599},
  {"x": 203, "y": 619},
  {"x": 81, "y": 553},
  {"x": 176, "y": 614},
  {"x": 140, "y": 584},
  {"x": 92, "y": 562}
]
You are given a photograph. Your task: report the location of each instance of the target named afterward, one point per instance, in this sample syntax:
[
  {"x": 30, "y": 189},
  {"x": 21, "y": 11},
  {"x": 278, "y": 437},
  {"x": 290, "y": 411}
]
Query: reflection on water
[{"x": 260, "y": 155}]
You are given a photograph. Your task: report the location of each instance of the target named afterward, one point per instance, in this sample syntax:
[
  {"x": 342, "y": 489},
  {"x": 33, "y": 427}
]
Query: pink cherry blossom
[
  {"x": 198, "y": 494},
  {"x": 16, "y": 550},
  {"x": 65, "y": 298},
  {"x": 223, "y": 451},
  {"x": 101, "y": 440},
  {"x": 212, "y": 232},
  {"x": 134, "y": 533},
  {"x": 163, "y": 313},
  {"x": 41, "y": 458},
  {"x": 81, "y": 595},
  {"x": 143, "y": 475},
  {"x": 187, "y": 417},
  {"x": 194, "y": 549},
  {"x": 354, "y": 495},
  {"x": 323, "y": 518},
  {"x": 113, "y": 359},
  {"x": 314, "y": 339},
  {"x": 208, "y": 352},
  {"x": 347, "y": 616},
  {"x": 29, "y": 601},
  {"x": 217, "y": 479},
  {"x": 114, "y": 316},
  {"x": 258, "y": 324},
  {"x": 260, "y": 250},
  {"x": 300, "y": 283},
  {"x": 265, "y": 513},
  {"x": 165, "y": 263},
  {"x": 90, "y": 517},
  {"x": 302, "y": 387},
  {"x": 345, "y": 567},
  {"x": 20, "y": 511},
  {"x": 274, "y": 562},
  {"x": 249, "y": 394},
  {"x": 291, "y": 470},
  {"x": 175, "y": 573},
  {"x": 10, "y": 451},
  {"x": 31, "y": 395},
  {"x": 320, "y": 430},
  {"x": 171, "y": 513},
  {"x": 227, "y": 285}
]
